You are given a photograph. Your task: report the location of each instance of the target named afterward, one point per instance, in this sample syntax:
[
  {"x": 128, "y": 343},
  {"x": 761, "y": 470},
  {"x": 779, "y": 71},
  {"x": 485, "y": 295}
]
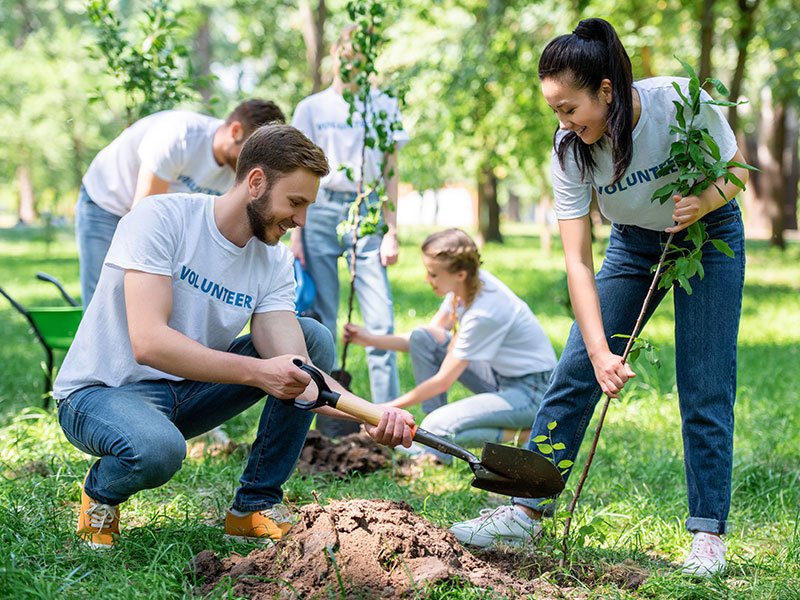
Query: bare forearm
[
  {"x": 424, "y": 391},
  {"x": 172, "y": 352},
  {"x": 396, "y": 342},
  {"x": 586, "y": 305}
]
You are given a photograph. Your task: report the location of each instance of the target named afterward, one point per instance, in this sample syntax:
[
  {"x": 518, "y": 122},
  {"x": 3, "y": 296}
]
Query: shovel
[{"x": 503, "y": 469}]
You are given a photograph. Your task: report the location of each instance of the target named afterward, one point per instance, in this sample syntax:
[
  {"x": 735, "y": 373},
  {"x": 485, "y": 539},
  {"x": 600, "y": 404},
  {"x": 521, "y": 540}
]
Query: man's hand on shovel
[
  {"x": 386, "y": 425},
  {"x": 395, "y": 428}
]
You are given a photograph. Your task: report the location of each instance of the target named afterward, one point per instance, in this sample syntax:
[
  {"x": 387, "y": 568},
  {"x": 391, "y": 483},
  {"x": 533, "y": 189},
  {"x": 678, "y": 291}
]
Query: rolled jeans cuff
[
  {"x": 548, "y": 510},
  {"x": 710, "y": 525}
]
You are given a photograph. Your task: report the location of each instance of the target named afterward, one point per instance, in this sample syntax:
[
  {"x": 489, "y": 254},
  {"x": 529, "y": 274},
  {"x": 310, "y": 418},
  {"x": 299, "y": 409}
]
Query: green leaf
[
  {"x": 688, "y": 68},
  {"x": 695, "y": 234},
  {"x": 719, "y": 86},
  {"x": 552, "y": 425},
  {"x": 691, "y": 268},
  {"x": 564, "y": 464},
  {"x": 694, "y": 95},
  {"x": 733, "y": 163},
  {"x": 679, "y": 113},
  {"x": 679, "y": 91},
  {"x": 712, "y": 145},
  {"x": 684, "y": 283},
  {"x": 734, "y": 179},
  {"x": 696, "y": 154},
  {"x": 539, "y": 438},
  {"x": 545, "y": 448},
  {"x": 558, "y": 446},
  {"x": 723, "y": 247},
  {"x": 664, "y": 192}
]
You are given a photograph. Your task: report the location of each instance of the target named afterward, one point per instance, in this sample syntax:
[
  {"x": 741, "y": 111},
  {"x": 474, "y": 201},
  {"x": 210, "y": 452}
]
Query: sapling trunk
[
  {"x": 344, "y": 377},
  {"x": 359, "y": 70},
  {"x": 571, "y": 509}
]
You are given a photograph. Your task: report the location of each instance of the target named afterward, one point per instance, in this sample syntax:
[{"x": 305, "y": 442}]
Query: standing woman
[
  {"x": 613, "y": 134},
  {"x": 483, "y": 335}
]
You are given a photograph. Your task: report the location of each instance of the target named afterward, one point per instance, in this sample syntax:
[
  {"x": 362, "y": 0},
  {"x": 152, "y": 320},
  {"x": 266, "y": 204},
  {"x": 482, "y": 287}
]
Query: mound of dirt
[
  {"x": 353, "y": 452},
  {"x": 358, "y": 548}
]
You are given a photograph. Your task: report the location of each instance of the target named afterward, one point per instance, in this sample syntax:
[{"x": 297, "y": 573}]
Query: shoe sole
[
  {"x": 96, "y": 545},
  {"x": 508, "y": 541},
  {"x": 243, "y": 539}
]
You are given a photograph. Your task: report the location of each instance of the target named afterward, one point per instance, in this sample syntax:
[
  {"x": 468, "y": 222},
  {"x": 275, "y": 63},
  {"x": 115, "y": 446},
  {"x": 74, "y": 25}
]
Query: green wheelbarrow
[{"x": 53, "y": 326}]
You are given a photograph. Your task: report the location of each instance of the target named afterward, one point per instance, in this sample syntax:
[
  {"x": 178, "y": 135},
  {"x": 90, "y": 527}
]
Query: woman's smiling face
[{"x": 579, "y": 110}]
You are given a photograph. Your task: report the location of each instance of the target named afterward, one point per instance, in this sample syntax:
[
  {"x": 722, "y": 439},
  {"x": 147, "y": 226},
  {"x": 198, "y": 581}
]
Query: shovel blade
[
  {"x": 513, "y": 471},
  {"x": 492, "y": 482}
]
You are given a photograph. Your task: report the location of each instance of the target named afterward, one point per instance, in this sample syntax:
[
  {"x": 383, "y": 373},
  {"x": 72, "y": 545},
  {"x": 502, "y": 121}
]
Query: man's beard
[{"x": 261, "y": 219}]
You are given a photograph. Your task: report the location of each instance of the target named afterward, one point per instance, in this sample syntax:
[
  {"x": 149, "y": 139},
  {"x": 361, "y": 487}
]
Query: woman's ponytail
[{"x": 591, "y": 53}]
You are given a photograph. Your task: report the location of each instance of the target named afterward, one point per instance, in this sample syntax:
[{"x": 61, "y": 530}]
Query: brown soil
[
  {"x": 371, "y": 549},
  {"x": 351, "y": 453}
]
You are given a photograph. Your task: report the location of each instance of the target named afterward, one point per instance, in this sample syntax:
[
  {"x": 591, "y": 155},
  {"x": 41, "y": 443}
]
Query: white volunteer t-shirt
[
  {"x": 174, "y": 144},
  {"x": 323, "y": 116},
  {"x": 627, "y": 202},
  {"x": 501, "y": 329},
  {"x": 216, "y": 287}
]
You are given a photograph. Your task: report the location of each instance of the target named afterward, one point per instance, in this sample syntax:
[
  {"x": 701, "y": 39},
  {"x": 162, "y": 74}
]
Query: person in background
[
  {"x": 613, "y": 136},
  {"x": 156, "y": 358},
  {"x": 483, "y": 335},
  {"x": 169, "y": 151},
  {"x": 323, "y": 118}
]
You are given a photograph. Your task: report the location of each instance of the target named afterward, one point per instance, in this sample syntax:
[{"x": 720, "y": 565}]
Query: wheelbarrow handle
[{"x": 41, "y": 275}]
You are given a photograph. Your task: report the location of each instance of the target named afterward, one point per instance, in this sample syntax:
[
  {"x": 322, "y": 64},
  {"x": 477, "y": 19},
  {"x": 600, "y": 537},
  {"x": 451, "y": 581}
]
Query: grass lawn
[{"x": 635, "y": 496}]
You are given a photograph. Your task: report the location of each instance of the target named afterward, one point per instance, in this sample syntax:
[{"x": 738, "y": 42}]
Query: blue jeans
[
  {"x": 322, "y": 249},
  {"x": 500, "y": 402},
  {"x": 139, "y": 430},
  {"x": 706, "y": 329},
  {"x": 94, "y": 230}
]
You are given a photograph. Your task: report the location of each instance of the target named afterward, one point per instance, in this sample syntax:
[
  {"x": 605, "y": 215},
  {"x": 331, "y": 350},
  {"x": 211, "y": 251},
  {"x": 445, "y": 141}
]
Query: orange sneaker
[
  {"x": 261, "y": 526},
  {"x": 98, "y": 523}
]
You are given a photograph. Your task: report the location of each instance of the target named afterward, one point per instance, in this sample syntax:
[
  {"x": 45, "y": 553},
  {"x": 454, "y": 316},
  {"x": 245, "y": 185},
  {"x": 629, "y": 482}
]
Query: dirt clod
[
  {"x": 359, "y": 548},
  {"x": 354, "y": 452}
]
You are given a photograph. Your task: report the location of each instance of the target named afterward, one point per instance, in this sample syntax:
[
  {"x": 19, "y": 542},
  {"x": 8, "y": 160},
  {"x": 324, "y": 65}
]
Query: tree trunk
[
  {"x": 488, "y": 208},
  {"x": 766, "y": 196},
  {"x": 791, "y": 169},
  {"x": 26, "y": 213},
  {"x": 746, "y": 19},
  {"x": 314, "y": 36},
  {"x": 776, "y": 150},
  {"x": 513, "y": 208},
  {"x": 706, "y": 38}
]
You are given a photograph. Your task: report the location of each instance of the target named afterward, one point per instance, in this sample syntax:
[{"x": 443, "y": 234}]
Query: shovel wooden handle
[{"x": 369, "y": 413}]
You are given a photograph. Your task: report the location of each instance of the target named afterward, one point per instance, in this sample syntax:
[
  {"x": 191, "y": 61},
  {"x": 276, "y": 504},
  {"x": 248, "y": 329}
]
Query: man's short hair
[
  {"x": 254, "y": 113},
  {"x": 279, "y": 150}
]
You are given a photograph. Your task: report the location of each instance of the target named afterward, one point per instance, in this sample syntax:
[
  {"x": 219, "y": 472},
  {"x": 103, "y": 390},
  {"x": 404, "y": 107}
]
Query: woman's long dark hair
[{"x": 591, "y": 53}]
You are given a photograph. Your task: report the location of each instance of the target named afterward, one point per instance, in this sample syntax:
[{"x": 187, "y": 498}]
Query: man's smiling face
[{"x": 282, "y": 205}]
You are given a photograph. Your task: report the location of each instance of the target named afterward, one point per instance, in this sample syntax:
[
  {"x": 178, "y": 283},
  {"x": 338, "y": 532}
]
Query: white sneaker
[
  {"x": 706, "y": 557},
  {"x": 508, "y": 524}
]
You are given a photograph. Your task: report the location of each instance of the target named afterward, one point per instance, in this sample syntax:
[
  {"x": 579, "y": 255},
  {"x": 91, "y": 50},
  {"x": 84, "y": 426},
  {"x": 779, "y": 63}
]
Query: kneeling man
[{"x": 157, "y": 360}]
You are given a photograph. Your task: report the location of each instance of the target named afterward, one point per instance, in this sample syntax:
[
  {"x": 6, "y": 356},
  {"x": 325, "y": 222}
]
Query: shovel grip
[{"x": 369, "y": 413}]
